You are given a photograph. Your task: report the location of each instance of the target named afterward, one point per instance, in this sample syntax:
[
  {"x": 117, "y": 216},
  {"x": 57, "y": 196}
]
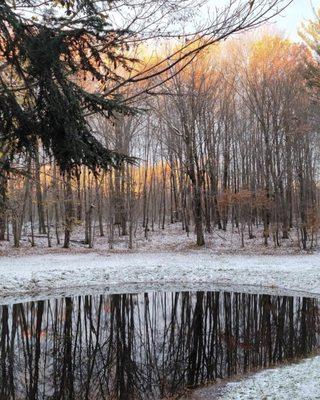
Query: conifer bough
[{"x": 49, "y": 50}]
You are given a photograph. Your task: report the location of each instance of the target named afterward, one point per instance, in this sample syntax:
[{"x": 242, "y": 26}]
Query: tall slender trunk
[
  {"x": 69, "y": 210},
  {"x": 41, "y": 213},
  {"x": 3, "y": 204}
]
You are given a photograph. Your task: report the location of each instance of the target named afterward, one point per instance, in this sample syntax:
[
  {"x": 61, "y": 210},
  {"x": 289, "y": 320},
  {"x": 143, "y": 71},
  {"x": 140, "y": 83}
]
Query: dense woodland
[{"x": 217, "y": 136}]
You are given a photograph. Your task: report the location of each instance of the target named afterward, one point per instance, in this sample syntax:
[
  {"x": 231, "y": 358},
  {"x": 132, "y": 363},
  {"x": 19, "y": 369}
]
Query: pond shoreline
[
  {"x": 40, "y": 277},
  {"x": 290, "y": 380},
  {"x": 135, "y": 288}
]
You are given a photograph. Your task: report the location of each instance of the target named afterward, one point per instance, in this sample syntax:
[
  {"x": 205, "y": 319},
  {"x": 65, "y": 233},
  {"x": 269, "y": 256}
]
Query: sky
[{"x": 290, "y": 20}]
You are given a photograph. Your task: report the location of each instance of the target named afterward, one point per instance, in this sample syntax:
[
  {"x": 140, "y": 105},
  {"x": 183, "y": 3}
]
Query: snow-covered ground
[
  {"x": 171, "y": 239},
  {"x": 297, "y": 381},
  {"x": 171, "y": 261},
  {"x": 38, "y": 275},
  {"x": 167, "y": 257}
]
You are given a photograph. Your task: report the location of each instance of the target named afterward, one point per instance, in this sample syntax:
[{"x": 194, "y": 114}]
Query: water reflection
[{"x": 146, "y": 346}]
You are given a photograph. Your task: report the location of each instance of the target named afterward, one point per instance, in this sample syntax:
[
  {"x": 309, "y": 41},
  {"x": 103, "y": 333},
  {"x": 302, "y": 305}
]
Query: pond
[{"x": 148, "y": 345}]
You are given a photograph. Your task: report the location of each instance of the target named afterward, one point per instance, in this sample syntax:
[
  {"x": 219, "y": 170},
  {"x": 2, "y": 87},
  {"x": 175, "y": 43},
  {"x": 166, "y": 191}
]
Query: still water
[{"x": 149, "y": 345}]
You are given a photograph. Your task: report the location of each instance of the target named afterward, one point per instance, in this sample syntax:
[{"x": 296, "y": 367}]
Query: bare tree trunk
[
  {"x": 197, "y": 210},
  {"x": 99, "y": 205},
  {"x": 3, "y": 204},
  {"x": 41, "y": 214},
  {"x": 69, "y": 210},
  {"x": 56, "y": 203},
  {"x": 79, "y": 197}
]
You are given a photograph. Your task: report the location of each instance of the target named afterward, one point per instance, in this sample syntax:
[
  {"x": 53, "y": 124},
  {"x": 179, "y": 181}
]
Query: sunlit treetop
[
  {"x": 310, "y": 33},
  {"x": 273, "y": 54}
]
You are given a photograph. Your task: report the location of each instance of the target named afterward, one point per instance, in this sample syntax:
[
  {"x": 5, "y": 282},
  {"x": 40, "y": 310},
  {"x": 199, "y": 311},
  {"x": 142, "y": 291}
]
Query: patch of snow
[
  {"x": 172, "y": 239},
  {"x": 292, "y": 382},
  {"x": 36, "y": 274}
]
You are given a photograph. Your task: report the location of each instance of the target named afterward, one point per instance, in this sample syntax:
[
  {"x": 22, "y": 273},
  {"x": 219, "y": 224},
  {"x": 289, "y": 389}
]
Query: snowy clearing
[
  {"x": 297, "y": 381},
  {"x": 44, "y": 274}
]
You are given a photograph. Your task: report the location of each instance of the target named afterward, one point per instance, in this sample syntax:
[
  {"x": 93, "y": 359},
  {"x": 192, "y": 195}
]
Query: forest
[
  {"x": 117, "y": 132},
  {"x": 159, "y": 200}
]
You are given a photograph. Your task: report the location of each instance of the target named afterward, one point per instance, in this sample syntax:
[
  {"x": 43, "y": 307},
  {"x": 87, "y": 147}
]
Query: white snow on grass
[
  {"x": 299, "y": 381},
  {"x": 32, "y": 275},
  {"x": 292, "y": 382},
  {"x": 170, "y": 239}
]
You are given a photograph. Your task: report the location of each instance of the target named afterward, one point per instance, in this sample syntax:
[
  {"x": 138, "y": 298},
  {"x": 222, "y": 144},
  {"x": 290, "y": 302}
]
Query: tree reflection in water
[{"x": 146, "y": 346}]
